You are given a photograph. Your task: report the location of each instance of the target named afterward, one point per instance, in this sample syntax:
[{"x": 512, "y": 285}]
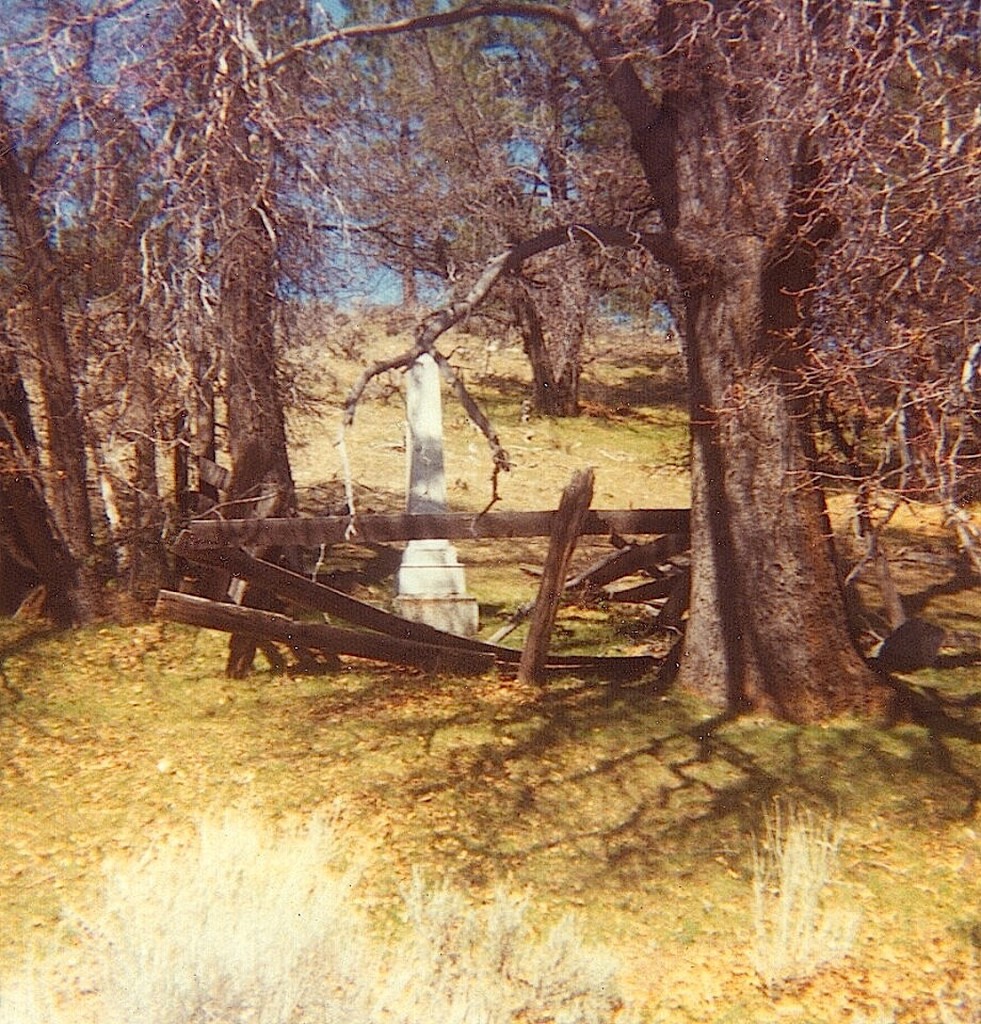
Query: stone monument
[{"x": 431, "y": 587}]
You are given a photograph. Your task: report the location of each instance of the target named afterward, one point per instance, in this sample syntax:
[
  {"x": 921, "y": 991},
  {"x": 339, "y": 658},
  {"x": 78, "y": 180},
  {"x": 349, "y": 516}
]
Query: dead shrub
[
  {"x": 797, "y": 930},
  {"x": 246, "y": 925}
]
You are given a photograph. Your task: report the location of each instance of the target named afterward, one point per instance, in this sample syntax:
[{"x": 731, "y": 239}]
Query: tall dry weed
[
  {"x": 246, "y": 925},
  {"x": 798, "y": 929},
  {"x": 235, "y": 924},
  {"x": 460, "y": 964}
]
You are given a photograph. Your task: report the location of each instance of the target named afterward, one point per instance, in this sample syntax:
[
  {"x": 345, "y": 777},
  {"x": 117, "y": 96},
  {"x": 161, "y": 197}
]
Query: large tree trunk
[
  {"x": 767, "y": 627},
  {"x": 739, "y": 189},
  {"x": 253, "y": 395},
  {"x": 262, "y": 481},
  {"x": 66, "y": 479}
]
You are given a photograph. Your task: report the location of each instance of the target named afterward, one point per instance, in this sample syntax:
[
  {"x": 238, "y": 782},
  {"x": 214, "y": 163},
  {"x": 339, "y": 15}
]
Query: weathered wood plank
[
  {"x": 673, "y": 611},
  {"x": 236, "y": 619},
  {"x": 213, "y": 475},
  {"x": 629, "y": 560},
  {"x": 653, "y": 590},
  {"x": 568, "y": 526},
  {"x": 380, "y": 529},
  {"x": 271, "y": 626},
  {"x": 318, "y": 597},
  {"x": 307, "y": 593}
]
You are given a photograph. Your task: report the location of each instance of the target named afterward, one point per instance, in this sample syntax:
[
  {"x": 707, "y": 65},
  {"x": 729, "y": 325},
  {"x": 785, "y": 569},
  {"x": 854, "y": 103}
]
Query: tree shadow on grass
[
  {"x": 580, "y": 784},
  {"x": 946, "y": 718},
  {"x": 962, "y": 579},
  {"x": 639, "y": 388}
]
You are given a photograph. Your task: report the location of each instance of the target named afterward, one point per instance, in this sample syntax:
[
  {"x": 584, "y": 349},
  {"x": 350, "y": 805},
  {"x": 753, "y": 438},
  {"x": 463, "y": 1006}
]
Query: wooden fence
[{"x": 381, "y": 636}]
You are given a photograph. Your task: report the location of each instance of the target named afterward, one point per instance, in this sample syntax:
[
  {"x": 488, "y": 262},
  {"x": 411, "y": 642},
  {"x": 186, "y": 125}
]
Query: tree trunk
[
  {"x": 32, "y": 553},
  {"x": 767, "y": 627},
  {"x": 66, "y": 483},
  {"x": 262, "y": 481},
  {"x": 256, "y": 419},
  {"x": 739, "y": 189},
  {"x": 555, "y": 383},
  {"x": 146, "y": 563}
]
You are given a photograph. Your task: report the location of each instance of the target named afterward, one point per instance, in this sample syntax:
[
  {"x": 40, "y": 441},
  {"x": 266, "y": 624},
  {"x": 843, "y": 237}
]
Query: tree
[
  {"x": 42, "y": 281},
  {"x": 735, "y": 127},
  {"x": 470, "y": 143},
  {"x": 72, "y": 194},
  {"x": 899, "y": 405},
  {"x": 143, "y": 185},
  {"x": 32, "y": 554}
]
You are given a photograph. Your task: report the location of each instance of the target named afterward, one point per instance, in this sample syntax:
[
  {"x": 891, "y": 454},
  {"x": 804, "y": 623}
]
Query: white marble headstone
[{"x": 431, "y": 584}]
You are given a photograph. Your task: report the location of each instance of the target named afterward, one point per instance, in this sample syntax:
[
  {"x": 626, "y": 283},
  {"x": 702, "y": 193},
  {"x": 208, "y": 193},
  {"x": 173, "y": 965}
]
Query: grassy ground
[{"x": 637, "y": 810}]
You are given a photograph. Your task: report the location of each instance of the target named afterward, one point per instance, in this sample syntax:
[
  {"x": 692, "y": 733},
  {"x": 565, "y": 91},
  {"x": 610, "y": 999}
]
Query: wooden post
[{"x": 568, "y": 525}]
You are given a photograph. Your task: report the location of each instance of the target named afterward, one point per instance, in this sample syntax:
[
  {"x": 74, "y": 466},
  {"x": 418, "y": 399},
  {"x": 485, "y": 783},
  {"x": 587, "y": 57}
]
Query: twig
[{"x": 516, "y": 618}]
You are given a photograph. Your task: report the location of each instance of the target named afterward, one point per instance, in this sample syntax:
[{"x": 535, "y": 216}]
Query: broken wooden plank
[
  {"x": 568, "y": 523},
  {"x": 318, "y": 597},
  {"x": 653, "y": 590},
  {"x": 236, "y": 619},
  {"x": 271, "y": 626},
  {"x": 312, "y": 532},
  {"x": 213, "y": 475},
  {"x": 672, "y": 613},
  {"x": 307, "y": 593},
  {"x": 629, "y": 560},
  {"x": 675, "y": 588}
]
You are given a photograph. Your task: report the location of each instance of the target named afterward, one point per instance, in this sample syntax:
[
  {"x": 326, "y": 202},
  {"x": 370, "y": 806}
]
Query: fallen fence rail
[
  {"x": 380, "y": 635},
  {"x": 462, "y": 657}
]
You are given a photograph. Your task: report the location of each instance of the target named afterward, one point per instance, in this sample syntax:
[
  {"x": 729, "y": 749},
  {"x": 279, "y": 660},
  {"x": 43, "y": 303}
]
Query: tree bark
[
  {"x": 767, "y": 627},
  {"x": 555, "y": 388},
  {"x": 66, "y": 480},
  {"x": 146, "y": 562},
  {"x": 253, "y": 394},
  {"x": 32, "y": 553},
  {"x": 262, "y": 481}
]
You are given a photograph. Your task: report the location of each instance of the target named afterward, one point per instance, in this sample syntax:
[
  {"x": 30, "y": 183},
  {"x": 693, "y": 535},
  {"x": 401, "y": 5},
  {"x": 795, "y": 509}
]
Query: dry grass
[
  {"x": 245, "y": 924},
  {"x": 795, "y": 866},
  {"x": 635, "y": 812}
]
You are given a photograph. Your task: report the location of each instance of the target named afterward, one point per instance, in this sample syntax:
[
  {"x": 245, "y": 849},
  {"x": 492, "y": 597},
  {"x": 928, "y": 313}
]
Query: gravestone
[{"x": 431, "y": 586}]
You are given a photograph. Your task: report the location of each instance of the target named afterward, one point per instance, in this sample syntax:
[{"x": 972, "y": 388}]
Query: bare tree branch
[
  {"x": 575, "y": 20},
  {"x": 432, "y": 327}
]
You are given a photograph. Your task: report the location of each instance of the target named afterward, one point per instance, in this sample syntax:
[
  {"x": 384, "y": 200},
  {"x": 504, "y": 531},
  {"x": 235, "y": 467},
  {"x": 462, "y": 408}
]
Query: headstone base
[
  {"x": 430, "y": 568},
  {"x": 454, "y": 613}
]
